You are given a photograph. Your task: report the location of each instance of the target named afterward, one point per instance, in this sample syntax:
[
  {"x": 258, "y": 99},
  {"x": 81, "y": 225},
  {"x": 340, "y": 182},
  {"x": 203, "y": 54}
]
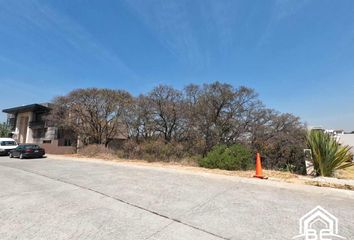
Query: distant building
[
  {"x": 333, "y": 132},
  {"x": 345, "y": 139},
  {"x": 29, "y": 125}
]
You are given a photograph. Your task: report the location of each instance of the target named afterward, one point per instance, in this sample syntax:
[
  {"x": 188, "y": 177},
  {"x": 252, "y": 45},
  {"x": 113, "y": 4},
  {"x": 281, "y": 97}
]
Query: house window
[
  {"x": 47, "y": 141},
  {"x": 38, "y": 133}
]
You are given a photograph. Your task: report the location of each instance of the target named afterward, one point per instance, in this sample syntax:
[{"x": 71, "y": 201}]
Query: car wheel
[
  {"x": 10, "y": 155},
  {"x": 21, "y": 156}
]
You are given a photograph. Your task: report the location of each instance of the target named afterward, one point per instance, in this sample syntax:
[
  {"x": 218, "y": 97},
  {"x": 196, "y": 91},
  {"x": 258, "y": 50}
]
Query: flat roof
[{"x": 26, "y": 108}]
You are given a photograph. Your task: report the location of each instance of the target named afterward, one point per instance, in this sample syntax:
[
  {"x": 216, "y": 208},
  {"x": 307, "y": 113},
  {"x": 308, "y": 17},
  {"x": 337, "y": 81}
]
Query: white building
[{"x": 347, "y": 139}]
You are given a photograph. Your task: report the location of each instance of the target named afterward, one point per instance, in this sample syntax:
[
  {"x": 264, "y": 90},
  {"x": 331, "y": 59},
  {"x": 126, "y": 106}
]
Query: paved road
[{"x": 63, "y": 199}]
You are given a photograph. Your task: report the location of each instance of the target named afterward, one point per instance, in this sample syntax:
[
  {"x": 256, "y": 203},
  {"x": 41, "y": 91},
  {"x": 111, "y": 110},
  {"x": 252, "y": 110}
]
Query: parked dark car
[{"x": 27, "y": 151}]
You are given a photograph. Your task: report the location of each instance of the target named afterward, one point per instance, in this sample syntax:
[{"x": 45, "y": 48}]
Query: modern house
[{"x": 29, "y": 125}]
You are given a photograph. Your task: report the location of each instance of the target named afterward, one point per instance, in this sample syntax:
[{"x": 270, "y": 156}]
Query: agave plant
[{"x": 327, "y": 154}]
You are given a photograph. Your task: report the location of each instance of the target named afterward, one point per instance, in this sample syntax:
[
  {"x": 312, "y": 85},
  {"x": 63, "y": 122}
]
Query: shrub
[
  {"x": 96, "y": 150},
  {"x": 155, "y": 150},
  {"x": 130, "y": 149},
  {"x": 158, "y": 150},
  {"x": 234, "y": 157},
  {"x": 284, "y": 157},
  {"x": 282, "y": 146},
  {"x": 327, "y": 154}
]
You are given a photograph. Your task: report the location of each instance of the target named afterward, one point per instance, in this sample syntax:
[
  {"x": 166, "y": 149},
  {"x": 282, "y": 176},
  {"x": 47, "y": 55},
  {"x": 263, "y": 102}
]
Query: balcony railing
[{"x": 37, "y": 124}]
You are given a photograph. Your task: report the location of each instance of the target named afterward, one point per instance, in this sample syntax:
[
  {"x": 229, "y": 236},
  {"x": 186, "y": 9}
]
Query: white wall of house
[
  {"x": 20, "y": 131},
  {"x": 29, "y": 138},
  {"x": 21, "y": 134},
  {"x": 347, "y": 139}
]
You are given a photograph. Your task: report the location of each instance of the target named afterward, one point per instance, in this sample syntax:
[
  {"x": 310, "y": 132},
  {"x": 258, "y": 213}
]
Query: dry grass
[
  {"x": 191, "y": 165},
  {"x": 331, "y": 185},
  {"x": 96, "y": 151},
  {"x": 346, "y": 173}
]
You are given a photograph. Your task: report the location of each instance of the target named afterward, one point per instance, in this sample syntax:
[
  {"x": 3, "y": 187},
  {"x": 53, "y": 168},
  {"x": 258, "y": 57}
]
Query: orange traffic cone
[{"x": 259, "y": 167}]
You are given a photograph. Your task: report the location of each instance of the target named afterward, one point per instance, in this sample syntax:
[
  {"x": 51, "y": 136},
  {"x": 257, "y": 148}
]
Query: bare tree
[
  {"x": 141, "y": 119},
  {"x": 220, "y": 113},
  {"x": 96, "y": 115},
  {"x": 165, "y": 108},
  {"x": 281, "y": 138},
  {"x": 195, "y": 119}
]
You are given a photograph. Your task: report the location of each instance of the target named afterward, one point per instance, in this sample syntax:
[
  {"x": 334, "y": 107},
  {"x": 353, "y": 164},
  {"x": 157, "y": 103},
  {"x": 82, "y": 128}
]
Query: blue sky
[{"x": 297, "y": 54}]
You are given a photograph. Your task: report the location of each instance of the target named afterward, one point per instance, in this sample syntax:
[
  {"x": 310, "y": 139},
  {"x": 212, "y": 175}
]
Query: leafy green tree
[
  {"x": 5, "y": 130},
  {"x": 327, "y": 154}
]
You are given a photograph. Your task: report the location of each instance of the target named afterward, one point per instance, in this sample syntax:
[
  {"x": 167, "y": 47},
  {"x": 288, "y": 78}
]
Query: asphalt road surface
[{"x": 64, "y": 199}]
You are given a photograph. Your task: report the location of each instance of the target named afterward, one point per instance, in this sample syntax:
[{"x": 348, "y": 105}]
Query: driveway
[{"x": 70, "y": 199}]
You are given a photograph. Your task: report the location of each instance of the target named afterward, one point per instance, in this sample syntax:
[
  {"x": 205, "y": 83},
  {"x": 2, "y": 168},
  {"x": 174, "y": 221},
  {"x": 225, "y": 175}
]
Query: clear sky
[{"x": 298, "y": 55}]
